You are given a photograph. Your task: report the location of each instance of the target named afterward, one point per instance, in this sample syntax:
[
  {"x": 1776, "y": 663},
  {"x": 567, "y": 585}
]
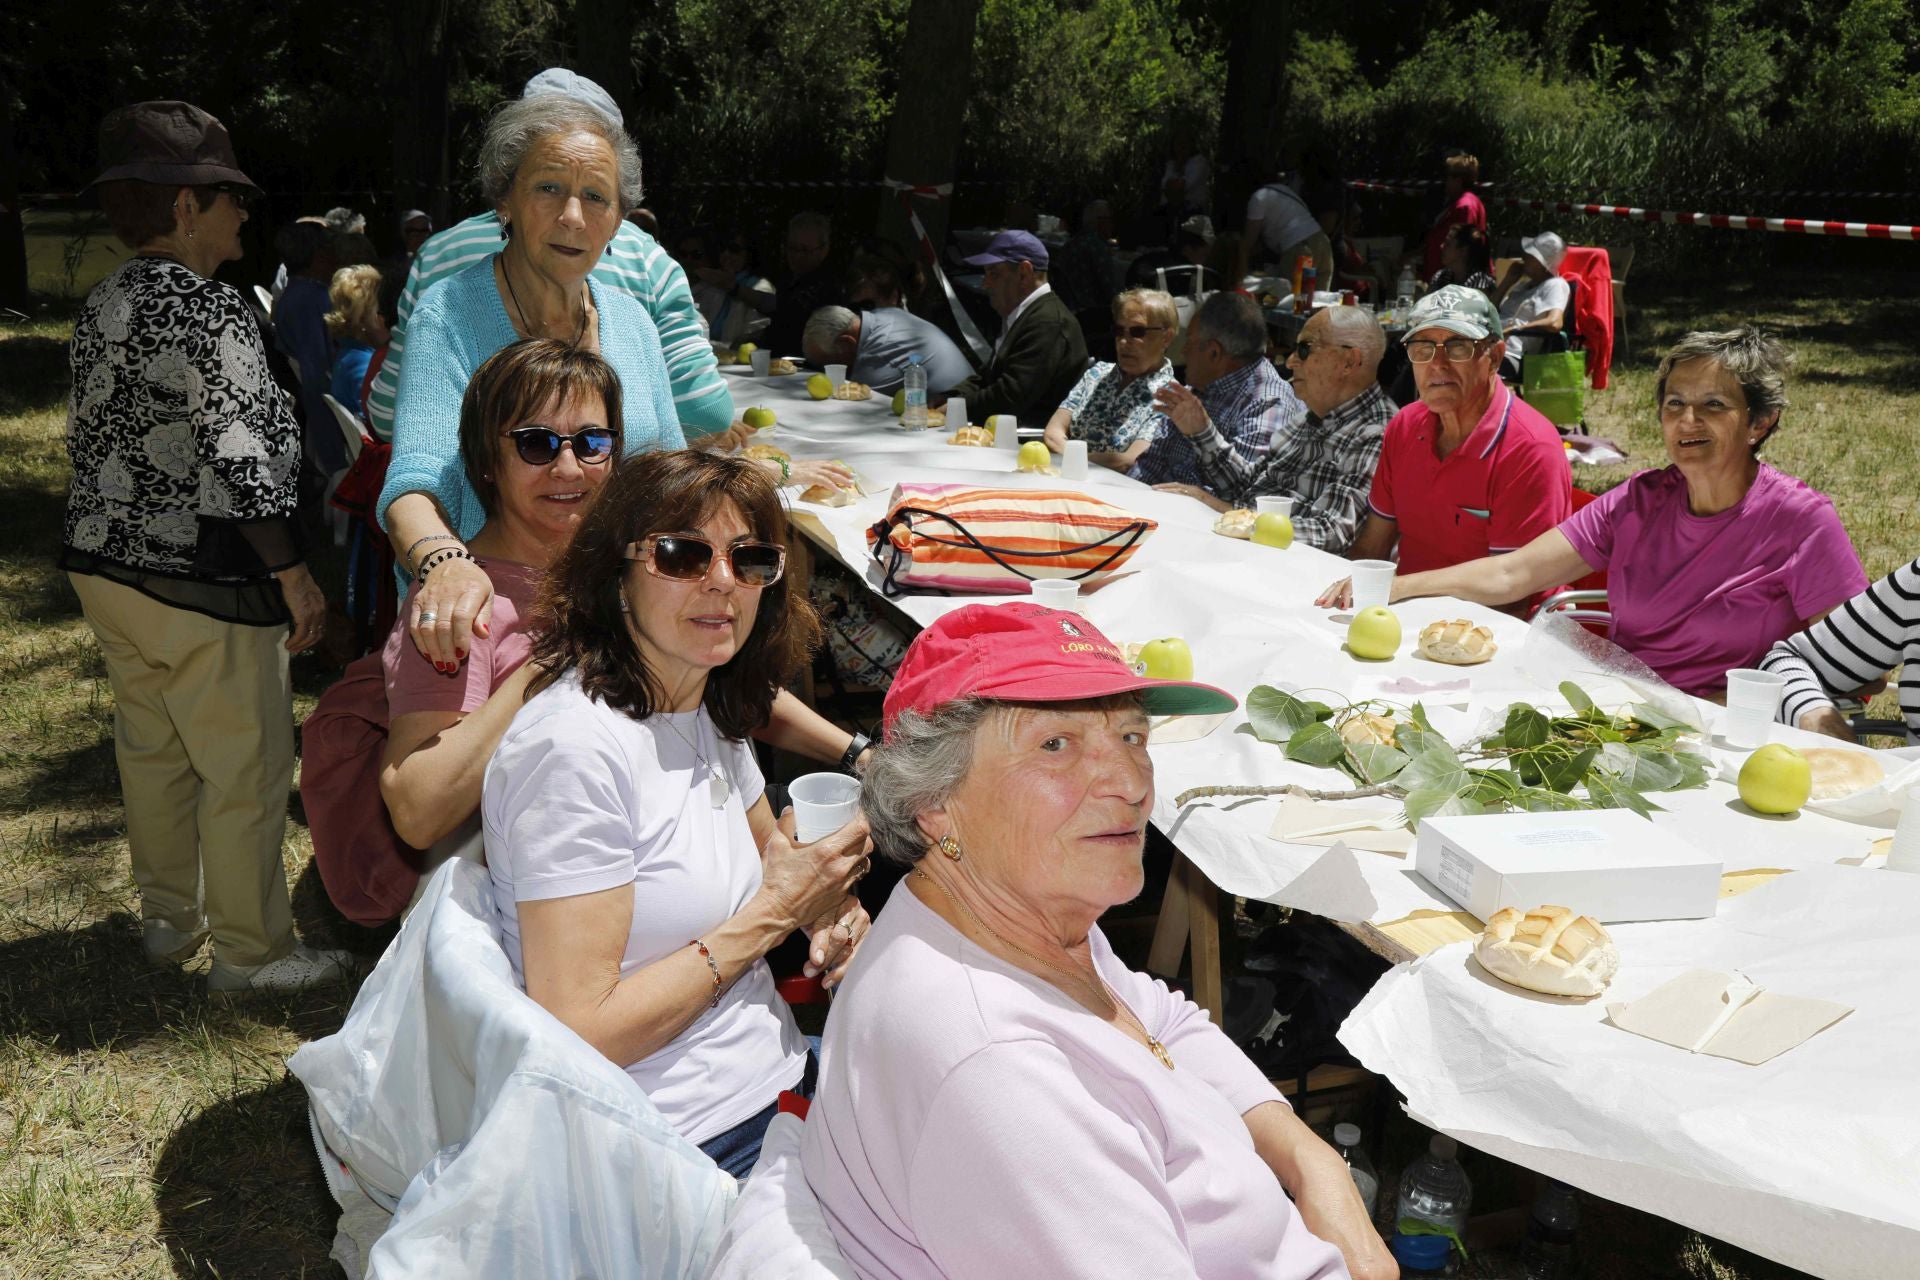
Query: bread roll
[
  {"x": 827, "y": 495},
  {"x": 780, "y": 368},
  {"x": 853, "y": 391},
  {"x": 1839, "y": 772},
  {"x": 1237, "y": 523},
  {"x": 1457, "y": 643},
  {"x": 979, "y": 436},
  {"x": 1368, "y": 726},
  {"x": 765, "y": 453},
  {"x": 1548, "y": 949}
]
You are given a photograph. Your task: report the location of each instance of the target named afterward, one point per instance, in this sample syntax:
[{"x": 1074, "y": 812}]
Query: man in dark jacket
[{"x": 1041, "y": 352}]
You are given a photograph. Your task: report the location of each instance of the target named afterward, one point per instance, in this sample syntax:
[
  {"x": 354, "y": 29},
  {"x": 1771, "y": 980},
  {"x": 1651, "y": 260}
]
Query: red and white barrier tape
[
  {"x": 1724, "y": 221},
  {"x": 1417, "y": 186}
]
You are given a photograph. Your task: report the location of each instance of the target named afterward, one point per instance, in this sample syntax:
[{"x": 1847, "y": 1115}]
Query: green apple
[
  {"x": 744, "y": 354},
  {"x": 1374, "y": 634},
  {"x": 899, "y": 402},
  {"x": 1033, "y": 456},
  {"x": 759, "y": 417},
  {"x": 1167, "y": 659},
  {"x": 1273, "y": 530},
  {"x": 1776, "y": 779},
  {"x": 819, "y": 386}
]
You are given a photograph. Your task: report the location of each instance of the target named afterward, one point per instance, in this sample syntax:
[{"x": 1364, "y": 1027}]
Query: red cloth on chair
[{"x": 1593, "y": 307}]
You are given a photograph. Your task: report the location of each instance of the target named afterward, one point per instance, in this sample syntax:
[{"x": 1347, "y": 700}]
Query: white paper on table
[
  {"x": 1304, "y": 821},
  {"x": 1724, "y": 1015},
  {"x": 1446, "y": 687},
  {"x": 1833, "y": 1127},
  {"x": 1170, "y": 729}
]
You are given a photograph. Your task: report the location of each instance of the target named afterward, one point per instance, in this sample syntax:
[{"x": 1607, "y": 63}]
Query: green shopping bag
[{"x": 1555, "y": 383}]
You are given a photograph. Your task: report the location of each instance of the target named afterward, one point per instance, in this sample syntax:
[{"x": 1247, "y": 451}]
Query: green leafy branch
[{"x": 1535, "y": 762}]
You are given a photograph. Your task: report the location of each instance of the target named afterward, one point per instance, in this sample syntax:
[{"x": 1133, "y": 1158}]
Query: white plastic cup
[
  {"x": 1372, "y": 583},
  {"x": 1753, "y": 696},
  {"x": 822, "y": 804},
  {"x": 1056, "y": 593},
  {"x": 762, "y": 362},
  {"x": 1006, "y": 431},
  {"x": 956, "y": 412},
  {"x": 1273, "y": 506},
  {"x": 1904, "y": 853},
  {"x": 1073, "y": 463},
  {"x": 836, "y": 374}
]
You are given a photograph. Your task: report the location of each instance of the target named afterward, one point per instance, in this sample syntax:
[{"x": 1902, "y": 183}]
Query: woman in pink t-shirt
[
  {"x": 999, "y": 1095},
  {"x": 1710, "y": 560}
]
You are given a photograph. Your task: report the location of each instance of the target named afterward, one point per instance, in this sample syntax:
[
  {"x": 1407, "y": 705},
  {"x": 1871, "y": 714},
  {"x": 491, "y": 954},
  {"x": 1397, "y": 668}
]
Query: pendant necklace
[
  {"x": 1153, "y": 1046},
  {"x": 580, "y": 325},
  {"x": 718, "y": 788}
]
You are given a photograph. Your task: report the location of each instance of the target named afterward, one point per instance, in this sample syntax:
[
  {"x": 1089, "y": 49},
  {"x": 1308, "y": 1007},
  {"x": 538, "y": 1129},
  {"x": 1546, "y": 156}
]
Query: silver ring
[
  {"x": 428, "y": 615},
  {"x": 849, "y": 928}
]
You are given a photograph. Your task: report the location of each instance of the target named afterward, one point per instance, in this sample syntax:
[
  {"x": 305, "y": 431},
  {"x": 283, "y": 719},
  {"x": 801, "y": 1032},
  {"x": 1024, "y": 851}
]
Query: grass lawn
[{"x": 145, "y": 1131}]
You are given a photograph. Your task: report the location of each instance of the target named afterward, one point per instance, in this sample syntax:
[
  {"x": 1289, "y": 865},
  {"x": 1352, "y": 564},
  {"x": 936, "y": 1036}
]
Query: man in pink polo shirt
[{"x": 1469, "y": 470}]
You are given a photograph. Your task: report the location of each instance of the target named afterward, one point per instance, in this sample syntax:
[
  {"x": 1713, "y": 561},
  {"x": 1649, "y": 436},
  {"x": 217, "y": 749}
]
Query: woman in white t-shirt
[
  {"x": 1533, "y": 299},
  {"x": 639, "y": 874}
]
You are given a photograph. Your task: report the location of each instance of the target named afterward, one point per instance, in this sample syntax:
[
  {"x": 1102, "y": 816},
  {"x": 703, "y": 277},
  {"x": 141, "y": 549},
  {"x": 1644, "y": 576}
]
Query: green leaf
[
  {"x": 1419, "y": 717},
  {"x": 1376, "y": 763},
  {"x": 1608, "y": 792},
  {"x": 1654, "y": 718},
  {"x": 1316, "y": 743},
  {"x": 1525, "y": 727},
  {"x": 1541, "y": 800},
  {"x": 1435, "y": 765},
  {"x": 1494, "y": 788},
  {"x": 1437, "y": 802},
  {"x": 1277, "y": 715},
  {"x": 1562, "y": 772},
  {"x": 1576, "y": 696}
]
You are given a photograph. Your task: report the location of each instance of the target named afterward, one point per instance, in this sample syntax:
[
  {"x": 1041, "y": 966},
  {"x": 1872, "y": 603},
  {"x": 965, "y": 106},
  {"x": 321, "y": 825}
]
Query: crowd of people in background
[{"x": 592, "y": 618}]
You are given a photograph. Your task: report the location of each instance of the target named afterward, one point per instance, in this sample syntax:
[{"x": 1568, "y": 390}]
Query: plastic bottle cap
[
  {"x": 1347, "y": 1135},
  {"x": 1442, "y": 1147},
  {"x": 1428, "y": 1253}
]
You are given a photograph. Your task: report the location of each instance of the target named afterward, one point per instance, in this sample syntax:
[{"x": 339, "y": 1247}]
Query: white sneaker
[
  {"x": 302, "y": 968},
  {"x": 165, "y": 944}
]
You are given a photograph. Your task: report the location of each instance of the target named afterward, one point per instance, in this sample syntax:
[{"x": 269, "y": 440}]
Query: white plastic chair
[
  {"x": 263, "y": 307},
  {"x": 1567, "y": 604},
  {"x": 350, "y": 427}
]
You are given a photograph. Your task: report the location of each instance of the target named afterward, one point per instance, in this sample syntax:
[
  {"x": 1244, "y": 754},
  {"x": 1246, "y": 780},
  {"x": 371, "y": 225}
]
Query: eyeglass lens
[
  {"x": 1421, "y": 350},
  {"x": 538, "y": 446},
  {"x": 754, "y": 564}
]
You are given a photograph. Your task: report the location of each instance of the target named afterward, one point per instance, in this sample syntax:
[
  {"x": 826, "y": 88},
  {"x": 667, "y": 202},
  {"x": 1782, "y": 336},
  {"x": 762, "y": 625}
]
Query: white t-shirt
[
  {"x": 1284, "y": 217},
  {"x": 580, "y": 798},
  {"x": 1527, "y": 303},
  {"x": 1198, "y": 176}
]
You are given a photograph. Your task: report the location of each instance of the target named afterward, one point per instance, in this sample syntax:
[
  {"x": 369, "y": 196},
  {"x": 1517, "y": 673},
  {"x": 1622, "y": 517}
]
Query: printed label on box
[
  {"x": 1456, "y": 874},
  {"x": 1560, "y": 835}
]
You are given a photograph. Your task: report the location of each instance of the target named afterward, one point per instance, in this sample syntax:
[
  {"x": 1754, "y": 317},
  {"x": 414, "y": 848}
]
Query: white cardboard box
[{"x": 1611, "y": 864}]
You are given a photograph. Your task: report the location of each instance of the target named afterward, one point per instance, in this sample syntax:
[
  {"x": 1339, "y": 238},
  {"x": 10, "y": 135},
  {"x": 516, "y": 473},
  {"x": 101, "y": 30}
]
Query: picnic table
[{"x": 1812, "y": 1159}]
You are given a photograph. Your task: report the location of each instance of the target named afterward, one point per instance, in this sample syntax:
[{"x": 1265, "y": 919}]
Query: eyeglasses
[
  {"x": 1135, "y": 331},
  {"x": 538, "y": 446},
  {"x": 1304, "y": 350},
  {"x": 241, "y": 196},
  {"x": 683, "y": 558},
  {"x": 1421, "y": 350}
]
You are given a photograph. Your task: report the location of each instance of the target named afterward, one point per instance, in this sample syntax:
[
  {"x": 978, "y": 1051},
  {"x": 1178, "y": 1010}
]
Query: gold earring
[{"x": 950, "y": 847}]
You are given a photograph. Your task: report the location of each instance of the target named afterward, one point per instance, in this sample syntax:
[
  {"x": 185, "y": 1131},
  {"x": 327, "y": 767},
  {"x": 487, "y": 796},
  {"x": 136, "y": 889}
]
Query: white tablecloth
[{"x": 1765, "y": 1180}]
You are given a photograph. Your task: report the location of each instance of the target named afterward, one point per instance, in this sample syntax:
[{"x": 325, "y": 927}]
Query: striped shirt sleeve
[{"x": 1859, "y": 642}]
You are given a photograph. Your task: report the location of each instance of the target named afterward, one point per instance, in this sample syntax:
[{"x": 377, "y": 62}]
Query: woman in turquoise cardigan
[{"x": 559, "y": 174}]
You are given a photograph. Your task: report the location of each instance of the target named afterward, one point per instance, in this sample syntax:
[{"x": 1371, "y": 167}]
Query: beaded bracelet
[
  {"x": 713, "y": 965},
  {"x": 437, "y": 558},
  {"x": 421, "y": 542}
]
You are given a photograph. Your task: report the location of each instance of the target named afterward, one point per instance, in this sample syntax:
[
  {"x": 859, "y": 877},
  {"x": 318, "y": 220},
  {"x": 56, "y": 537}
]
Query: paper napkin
[
  {"x": 1304, "y": 821},
  {"x": 1724, "y": 1015}
]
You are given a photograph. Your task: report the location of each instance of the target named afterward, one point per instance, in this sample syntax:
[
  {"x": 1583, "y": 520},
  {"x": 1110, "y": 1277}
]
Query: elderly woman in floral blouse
[
  {"x": 1111, "y": 407},
  {"x": 181, "y": 544}
]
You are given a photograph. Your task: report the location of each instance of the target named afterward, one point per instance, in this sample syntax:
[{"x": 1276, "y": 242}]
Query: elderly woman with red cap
[
  {"x": 999, "y": 1095},
  {"x": 182, "y": 546}
]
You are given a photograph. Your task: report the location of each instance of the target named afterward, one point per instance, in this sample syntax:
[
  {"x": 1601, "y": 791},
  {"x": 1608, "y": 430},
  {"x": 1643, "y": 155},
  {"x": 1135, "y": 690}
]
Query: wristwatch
[{"x": 859, "y": 744}]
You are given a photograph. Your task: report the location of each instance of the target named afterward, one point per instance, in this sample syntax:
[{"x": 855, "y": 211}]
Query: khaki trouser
[{"x": 203, "y": 735}]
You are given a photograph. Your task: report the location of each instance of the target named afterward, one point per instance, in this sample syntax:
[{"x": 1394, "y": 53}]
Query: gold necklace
[
  {"x": 580, "y": 326},
  {"x": 1158, "y": 1050}
]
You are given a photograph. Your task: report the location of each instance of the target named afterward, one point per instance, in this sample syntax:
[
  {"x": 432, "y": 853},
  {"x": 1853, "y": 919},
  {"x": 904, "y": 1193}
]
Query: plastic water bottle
[
  {"x": 916, "y": 406},
  {"x": 1434, "y": 1194},
  {"x": 1346, "y": 1140},
  {"x": 1403, "y": 293},
  {"x": 1548, "y": 1253}
]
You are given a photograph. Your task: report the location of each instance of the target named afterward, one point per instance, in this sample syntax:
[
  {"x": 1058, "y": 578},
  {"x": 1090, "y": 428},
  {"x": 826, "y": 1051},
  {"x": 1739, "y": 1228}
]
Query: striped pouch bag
[{"x": 969, "y": 540}]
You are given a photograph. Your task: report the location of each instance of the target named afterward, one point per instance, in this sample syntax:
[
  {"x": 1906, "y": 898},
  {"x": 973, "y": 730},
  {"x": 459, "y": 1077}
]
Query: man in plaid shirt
[
  {"x": 1251, "y": 405},
  {"x": 1326, "y": 464}
]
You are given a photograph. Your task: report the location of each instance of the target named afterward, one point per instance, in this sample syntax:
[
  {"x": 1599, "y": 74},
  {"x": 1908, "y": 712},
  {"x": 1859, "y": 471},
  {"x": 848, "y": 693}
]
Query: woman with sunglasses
[
  {"x": 639, "y": 874},
  {"x": 1111, "y": 407},
  {"x": 182, "y": 545}
]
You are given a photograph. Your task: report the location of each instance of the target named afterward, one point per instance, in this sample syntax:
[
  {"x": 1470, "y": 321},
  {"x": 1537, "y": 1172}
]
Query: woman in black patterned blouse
[{"x": 181, "y": 544}]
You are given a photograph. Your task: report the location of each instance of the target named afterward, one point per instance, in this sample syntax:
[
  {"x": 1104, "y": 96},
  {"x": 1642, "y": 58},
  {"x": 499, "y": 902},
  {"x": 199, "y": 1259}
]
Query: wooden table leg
[
  {"x": 1171, "y": 927},
  {"x": 1190, "y": 912}
]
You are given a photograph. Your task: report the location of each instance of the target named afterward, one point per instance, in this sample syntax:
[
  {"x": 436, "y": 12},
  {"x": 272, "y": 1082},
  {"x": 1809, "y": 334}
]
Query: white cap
[
  {"x": 1547, "y": 249},
  {"x": 1347, "y": 1135},
  {"x": 1442, "y": 1147},
  {"x": 571, "y": 84}
]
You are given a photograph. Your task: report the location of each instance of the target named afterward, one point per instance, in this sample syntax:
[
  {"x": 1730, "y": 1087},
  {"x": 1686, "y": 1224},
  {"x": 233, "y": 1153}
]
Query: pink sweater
[{"x": 972, "y": 1120}]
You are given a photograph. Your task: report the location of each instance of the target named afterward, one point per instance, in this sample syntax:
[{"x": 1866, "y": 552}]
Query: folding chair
[{"x": 1621, "y": 259}]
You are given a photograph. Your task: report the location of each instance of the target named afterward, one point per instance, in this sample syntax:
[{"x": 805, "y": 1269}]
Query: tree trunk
[
  {"x": 923, "y": 138},
  {"x": 422, "y": 61},
  {"x": 603, "y": 48},
  {"x": 1259, "y": 42},
  {"x": 13, "y": 236}
]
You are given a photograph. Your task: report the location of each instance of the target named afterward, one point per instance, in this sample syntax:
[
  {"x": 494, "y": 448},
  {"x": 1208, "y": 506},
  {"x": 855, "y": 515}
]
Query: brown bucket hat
[{"x": 170, "y": 143}]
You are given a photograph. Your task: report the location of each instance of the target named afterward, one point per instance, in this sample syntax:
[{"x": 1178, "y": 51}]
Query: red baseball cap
[{"x": 1028, "y": 653}]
